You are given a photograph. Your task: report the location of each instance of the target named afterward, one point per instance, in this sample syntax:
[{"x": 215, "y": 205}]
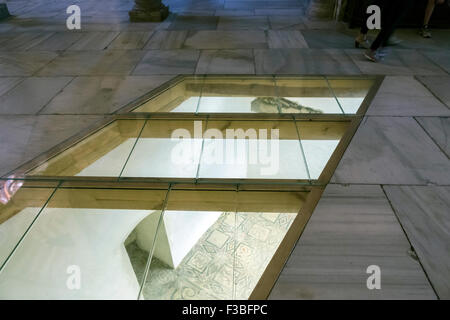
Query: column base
[
  {"x": 146, "y": 15},
  {"x": 4, "y": 13}
]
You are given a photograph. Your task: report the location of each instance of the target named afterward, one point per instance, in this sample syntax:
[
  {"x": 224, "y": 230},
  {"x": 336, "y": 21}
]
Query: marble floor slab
[
  {"x": 166, "y": 40},
  {"x": 244, "y": 39},
  {"x": 8, "y": 82},
  {"x": 286, "y": 23},
  {"x": 304, "y": 61},
  {"x": 105, "y": 62},
  {"x": 100, "y": 95},
  {"x": 234, "y": 12},
  {"x": 327, "y": 39},
  {"x": 439, "y": 57},
  {"x": 405, "y": 96},
  {"x": 130, "y": 40},
  {"x": 182, "y": 61},
  {"x": 438, "y": 128},
  {"x": 226, "y": 62},
  {"x": 194, "y": 23},
  {"x": 286, "y": 39},
  {"x": 412, "y": 40},
  {"x": 24, "y": 41},
  {"x": 280, "y": 12},
  {"x": 392, "y": 150},
  {"x": 31, "y": 95},
  {"x": 94, "y": 40},
  {"x": 26, "y": 137},
  {"x": 424, "y": 212},
  {"x": 58, "y": 41},
  {"x": 397, "y": 62},
  {"x": 439, "y": 86},
  {"x": 24, "y": 63},
  {"x": 243, "y": 23},
  {"x": 352, "y": 228},
  {"x": 263, "y": 4}
]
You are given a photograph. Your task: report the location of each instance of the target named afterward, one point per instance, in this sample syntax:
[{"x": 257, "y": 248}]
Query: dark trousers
[{"x": 393, "y": 11}]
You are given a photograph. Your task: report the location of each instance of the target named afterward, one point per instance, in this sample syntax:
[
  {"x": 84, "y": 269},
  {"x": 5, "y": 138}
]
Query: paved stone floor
[{"x": 388, "y": 203}]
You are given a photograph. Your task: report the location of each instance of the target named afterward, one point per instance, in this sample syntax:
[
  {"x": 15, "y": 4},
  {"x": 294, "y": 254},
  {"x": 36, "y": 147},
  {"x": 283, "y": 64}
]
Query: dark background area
[{"x": 354, "y": 14}]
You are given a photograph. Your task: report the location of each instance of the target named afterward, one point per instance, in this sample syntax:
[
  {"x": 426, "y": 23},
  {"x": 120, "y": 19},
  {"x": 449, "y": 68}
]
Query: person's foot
[
  {"x": 425, "y": 32},
  {"x": 371, "y": 55}
]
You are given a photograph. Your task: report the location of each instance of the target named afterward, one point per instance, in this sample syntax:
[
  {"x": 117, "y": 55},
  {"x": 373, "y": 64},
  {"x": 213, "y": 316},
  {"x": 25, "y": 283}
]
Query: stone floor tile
[
  {"x": 286, "y": 39},
  {"x": 226, "y": 62},
  {"x": 243, "y": 23},
  {"x": 424, "y": 212},
  {"x": 99, "y": 95},
  {"x": 438, "y": 128},
  {"x": 405, "y": 96},
  {"x": 24, "y": 63},
  {"x": 130, "y": 40},
  {"x": 31, "y": 95},
  {"x": 166, "y": 40},
  {"x": 392, "y": 150},
  {"x": 105, "y": 62},
  {"x": 244, "y": 39},
  {"x": 181, "y": 61},
  {"x": 304, "y": 61},
  {"x": 352, "y": 228},
  {"x": 194, "y": 23},
  {"x": 94, "y": 40},
  {"x": 439, "y": 86}
]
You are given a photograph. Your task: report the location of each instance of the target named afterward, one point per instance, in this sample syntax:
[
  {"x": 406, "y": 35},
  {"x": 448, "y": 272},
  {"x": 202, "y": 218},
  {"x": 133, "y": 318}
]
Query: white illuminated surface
[{"x": 317, "y": 153}]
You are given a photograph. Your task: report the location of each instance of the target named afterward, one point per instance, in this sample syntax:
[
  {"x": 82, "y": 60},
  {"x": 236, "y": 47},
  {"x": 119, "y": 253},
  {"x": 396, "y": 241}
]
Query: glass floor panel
[
  {"x": 229, "y": 245},
  {"x": 96, "y": 243},
  {"x": 314, "y": 95},
  {"x": 102, "y": 154},
  {"x": 167, "y": 203},
  {"x": 17, "y": 212},
  {"x": 213, "y": 149},
  {"x": 76, "y": 247},
  {"x": 350, "y": 93}
]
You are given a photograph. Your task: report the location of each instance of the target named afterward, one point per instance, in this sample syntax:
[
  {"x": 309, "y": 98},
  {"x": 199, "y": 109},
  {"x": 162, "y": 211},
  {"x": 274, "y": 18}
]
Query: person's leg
[
  {"x": 425, "y": 32},
  {"x": 361, "y": 38},
  {"x": 393, "y": 13},
  {"x": 388, "y": 24}
]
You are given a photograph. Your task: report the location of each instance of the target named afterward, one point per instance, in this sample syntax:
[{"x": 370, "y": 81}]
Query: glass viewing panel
[
  {"x": 101, "y": 154},
  {"x": 95, "y": 244},
  {"x": 315, "y": 95},
  {"x": 350, "y": 92},
  {"x": 214, "y": 149},
  {"x": 231, "y": 240},
  {"x": 17, "y": 211},
  {"x": 82, "y": 233}
]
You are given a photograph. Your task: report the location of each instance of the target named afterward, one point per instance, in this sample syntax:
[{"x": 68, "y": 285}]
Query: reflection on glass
[
  {"x": 104, "y": 153},
  {"x": 350, "y": 92},
  {"x": 299, "y": 95},
  {"x": 16, "y": 216},
  {"x": 230, "y": 241},
  {"x": 252, "y": 149},
  {"x": 317, "y": 154},
  {"x": 167, "y": 149},
  {"x": 319, "y": 140},
  {"x": 181, "y": 97},
  {"x": 76, "y": 249},
  {"x": 238, "y": 95}
]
